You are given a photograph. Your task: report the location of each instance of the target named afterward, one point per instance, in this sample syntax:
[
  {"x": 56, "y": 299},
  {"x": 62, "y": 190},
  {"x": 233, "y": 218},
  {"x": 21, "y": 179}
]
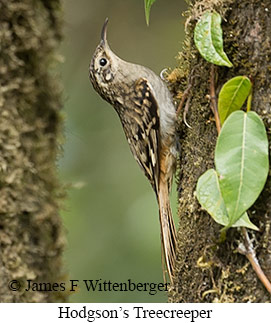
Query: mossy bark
[
  {"x": 209, "y": 271},
  {"x": 31, "y": 240}
]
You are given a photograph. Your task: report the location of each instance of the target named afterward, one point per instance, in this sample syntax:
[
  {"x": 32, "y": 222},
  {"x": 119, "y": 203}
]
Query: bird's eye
[{"x": 103, "y": 61}]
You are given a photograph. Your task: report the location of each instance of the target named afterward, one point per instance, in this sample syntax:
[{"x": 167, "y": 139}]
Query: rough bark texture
[
  {"x": 209, "y": 271},
  {"x": 31, "y": 240}
]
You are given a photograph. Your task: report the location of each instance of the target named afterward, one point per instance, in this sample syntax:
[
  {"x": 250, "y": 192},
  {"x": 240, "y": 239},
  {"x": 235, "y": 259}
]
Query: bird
[{"x": 148, "y": 117}]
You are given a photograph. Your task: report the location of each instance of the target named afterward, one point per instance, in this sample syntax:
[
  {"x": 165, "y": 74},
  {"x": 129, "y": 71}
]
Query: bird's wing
[{"x": 142, "y": 129}]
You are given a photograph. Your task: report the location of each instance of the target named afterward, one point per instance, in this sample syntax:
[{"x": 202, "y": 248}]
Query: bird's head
[{"x": 103, "y": 65}]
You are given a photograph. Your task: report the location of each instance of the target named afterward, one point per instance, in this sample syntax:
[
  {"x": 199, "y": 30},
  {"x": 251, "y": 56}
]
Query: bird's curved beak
[{"x": 104, "y": 33}]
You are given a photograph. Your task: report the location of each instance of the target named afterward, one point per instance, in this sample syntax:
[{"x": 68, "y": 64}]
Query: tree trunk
[
  {"x": 209, "y": 271},
  {"x": 31, "y": 240}
]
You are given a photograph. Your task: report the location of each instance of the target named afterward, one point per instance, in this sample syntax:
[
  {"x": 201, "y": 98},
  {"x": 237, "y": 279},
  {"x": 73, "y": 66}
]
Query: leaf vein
[{"x": 242, "y": 167}]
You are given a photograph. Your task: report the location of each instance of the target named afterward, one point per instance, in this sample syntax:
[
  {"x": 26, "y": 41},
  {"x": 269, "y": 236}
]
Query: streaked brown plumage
[{"x": 147, "y": 114}]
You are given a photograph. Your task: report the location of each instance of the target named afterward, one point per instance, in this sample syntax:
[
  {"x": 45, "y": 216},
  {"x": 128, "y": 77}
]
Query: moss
[
  {"x": 209, "y": 271},
  {"x": 30, "y": 124}
]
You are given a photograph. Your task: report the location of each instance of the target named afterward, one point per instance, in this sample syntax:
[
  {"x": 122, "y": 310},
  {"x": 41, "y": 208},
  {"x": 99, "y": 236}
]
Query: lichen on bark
[
  {"x": 209, "y": 271},
  {"x": 31, "y": 239}
]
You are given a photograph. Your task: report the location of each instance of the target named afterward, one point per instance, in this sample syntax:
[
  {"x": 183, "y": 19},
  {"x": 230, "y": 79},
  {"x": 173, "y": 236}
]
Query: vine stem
[
  {"x": 213, "y": 99},
  {"x": 249, "y": 99},
  {"x": 248, "y": 250}
]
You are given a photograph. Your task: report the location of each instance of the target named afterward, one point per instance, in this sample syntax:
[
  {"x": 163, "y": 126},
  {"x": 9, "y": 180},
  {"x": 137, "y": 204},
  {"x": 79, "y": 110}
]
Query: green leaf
[
  {"x": 208, "y": 39},
  {"x": 241, "y": 159},
  {"x": 244, "y": 221},
  {"x": 148, "y": 4},
  {"x": 210, "y": 198},
  {"x": 232, "y": 96}
]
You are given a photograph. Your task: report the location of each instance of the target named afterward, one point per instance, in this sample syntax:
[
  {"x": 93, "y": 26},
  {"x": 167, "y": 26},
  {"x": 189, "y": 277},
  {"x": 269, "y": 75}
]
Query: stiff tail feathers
[{"x": 168, "y": 232}]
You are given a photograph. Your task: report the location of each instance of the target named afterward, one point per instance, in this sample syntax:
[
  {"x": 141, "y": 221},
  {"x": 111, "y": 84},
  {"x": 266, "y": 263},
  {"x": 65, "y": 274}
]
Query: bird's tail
[{"x": 168, "y": 230}]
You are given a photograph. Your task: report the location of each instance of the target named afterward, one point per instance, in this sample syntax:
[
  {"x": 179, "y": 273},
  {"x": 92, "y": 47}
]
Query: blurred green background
[{"x": 111, "y": 215}]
